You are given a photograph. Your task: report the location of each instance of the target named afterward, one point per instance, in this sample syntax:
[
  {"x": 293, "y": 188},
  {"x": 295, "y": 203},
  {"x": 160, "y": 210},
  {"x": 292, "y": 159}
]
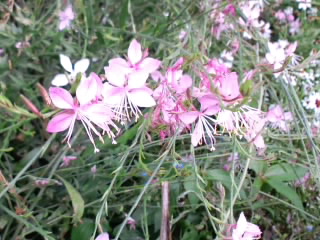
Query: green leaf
[
  {"x": 258, "y": 166},
  {"x": 285, "y": 172},
  {"x": 124, "y": 14},
  {"x": 76, "y": 199},
  {"x": 286, "y": 191},
  {"x": 257, "y": 184},
  {"x": 82, "y": 231},
  {"x": 220, "y": 176},
  {"x": 191, "y": 185}
]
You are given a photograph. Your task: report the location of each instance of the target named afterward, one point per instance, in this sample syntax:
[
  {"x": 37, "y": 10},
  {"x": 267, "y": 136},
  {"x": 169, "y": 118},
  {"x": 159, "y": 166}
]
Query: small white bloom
[{"x": 80, "y": 66}]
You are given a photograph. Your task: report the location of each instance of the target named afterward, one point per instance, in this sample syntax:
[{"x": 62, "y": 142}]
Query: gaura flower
[
  {"x": 66, "y": 17},
  {"x": 245, "y": 230},
  {"x": 205, "y": 127},
  {"x": 278, "y": 118},
  {"x": 126, "y": 88},
  {"x": 83, "y": 108},
  {"x": 80, "y": 66}
]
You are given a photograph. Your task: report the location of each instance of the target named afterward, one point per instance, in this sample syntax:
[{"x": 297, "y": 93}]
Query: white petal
[
  {"x": 66, "y": 63},
  {"x": 60, "y": 80},
  {"x": 82, "y": 65},
  {"x": 141, "y": 98},
  {"x": 134, "y": 52}
]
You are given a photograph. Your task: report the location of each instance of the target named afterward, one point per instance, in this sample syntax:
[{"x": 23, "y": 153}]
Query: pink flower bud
[{"x": 31, "y": 106}]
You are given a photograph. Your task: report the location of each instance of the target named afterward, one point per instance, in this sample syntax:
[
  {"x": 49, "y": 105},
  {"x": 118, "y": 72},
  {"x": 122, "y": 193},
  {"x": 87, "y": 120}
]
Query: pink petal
[
  {"x": 134, "y": 52},
  {"x": 61, "y": 121},
  {"x": 121, "y": 64},
  {"x": 229, "y": 86},
  {"x": 141, "y": 98},
  {"x": 137, "y": 79},
  {"x": 103, "y": 236},
  {"x": 197, "y": 134},
  {"x": 149, "y": 65},
  {"x": 112, "y": 95},
  {"x": 97, "y": 113},
  {"x": 188, "y": 117},
  {"x": 61, "y": 98},
  {"x": 241, "y": 225},
  {"x": 210, "y": 104},
  {"x": 87, "y": 90},
  {"x": 115, "y": 75}
]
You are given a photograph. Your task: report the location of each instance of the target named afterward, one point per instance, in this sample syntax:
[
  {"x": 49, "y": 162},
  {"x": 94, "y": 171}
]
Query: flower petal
[
  {"x": 103, "y": 236},
  {"x": 188, "y": 117},
  {"x": 137, "y": 79},
  {"x": 61, "y": 98},
  {"x": 61, "y": 122},
  {"x": 115, "y": 75},
  {"x": 197, "y": 134},
  {"x": 66, "y": 63},
  {"x": 134, "y": 52},
  {"x": 87, "y": 90},
  {"x": 149, "y": 64},
  {"x": 112, "y": 95},
  {"x": 82, "y": 65},
  {"x": 97, "y": 113},
  {"x": 60, "y": 80},
  {"x": 141, "y": 98}
]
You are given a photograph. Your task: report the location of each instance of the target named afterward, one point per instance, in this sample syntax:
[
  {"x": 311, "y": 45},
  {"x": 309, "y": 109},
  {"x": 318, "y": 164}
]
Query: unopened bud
[
  {"x": 44, "y": 93},
  {"x": 31, "y": 106}
]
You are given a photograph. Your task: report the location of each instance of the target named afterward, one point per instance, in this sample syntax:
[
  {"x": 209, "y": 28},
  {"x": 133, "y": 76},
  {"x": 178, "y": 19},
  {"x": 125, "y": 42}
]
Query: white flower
[
  {"x": 312, "y": 102},
  {"x": 304, "y": 4},
  {"x": 80, "y": 66}
]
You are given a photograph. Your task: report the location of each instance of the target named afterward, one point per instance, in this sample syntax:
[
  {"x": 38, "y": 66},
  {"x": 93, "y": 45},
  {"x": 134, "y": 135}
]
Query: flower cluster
[{"x": 213, "y": 105}]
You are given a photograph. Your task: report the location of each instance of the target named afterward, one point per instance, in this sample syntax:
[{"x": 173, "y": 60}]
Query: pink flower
[
  {"x": 205, "y": 127},
  {"x": 94, "y": 169},
  {"x": 81, "y": 108},
  {"x": 280, "y": 15},
  {"x": 66, "y": 17},
  {"x": 279, "y": 118},
  {"x": 67, "y": 160},
  {"x": 138, "y": 65},
  {"x": 103, "y": 236},
  {"x": 228, "y": 86},
  {"x": 132, "y": 223},
  {"x": 126, "y": 88},
  {"x": 245, "y": 230},
  {"x": 295, "y": 26}
]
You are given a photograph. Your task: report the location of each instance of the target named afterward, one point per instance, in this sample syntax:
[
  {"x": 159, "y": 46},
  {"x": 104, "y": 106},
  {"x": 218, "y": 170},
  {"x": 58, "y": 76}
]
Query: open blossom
[
  {"x": 245, "y": 230},
  {"x": 66, "y": 17},
  {"x": 84, "y": 108},
  {"x": 304, "y": 4},
  {"x": 278, "y": 118},
  {"x": 205, "y": 127},
  {"x": 126, "y": 88},
  {"x": 80, "y": 66},
  {"x": 67, "y": 160}
]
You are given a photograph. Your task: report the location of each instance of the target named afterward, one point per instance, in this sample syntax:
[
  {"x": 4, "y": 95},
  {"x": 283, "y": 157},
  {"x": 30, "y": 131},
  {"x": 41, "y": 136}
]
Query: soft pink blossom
[
  {"x": 67, "y": 160},
  {"x": 83, "y": 108},
  {"x": 278, "y": 118},
  {"x": 66, "y": 17},
  {"x": 245, "y": 230}
]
